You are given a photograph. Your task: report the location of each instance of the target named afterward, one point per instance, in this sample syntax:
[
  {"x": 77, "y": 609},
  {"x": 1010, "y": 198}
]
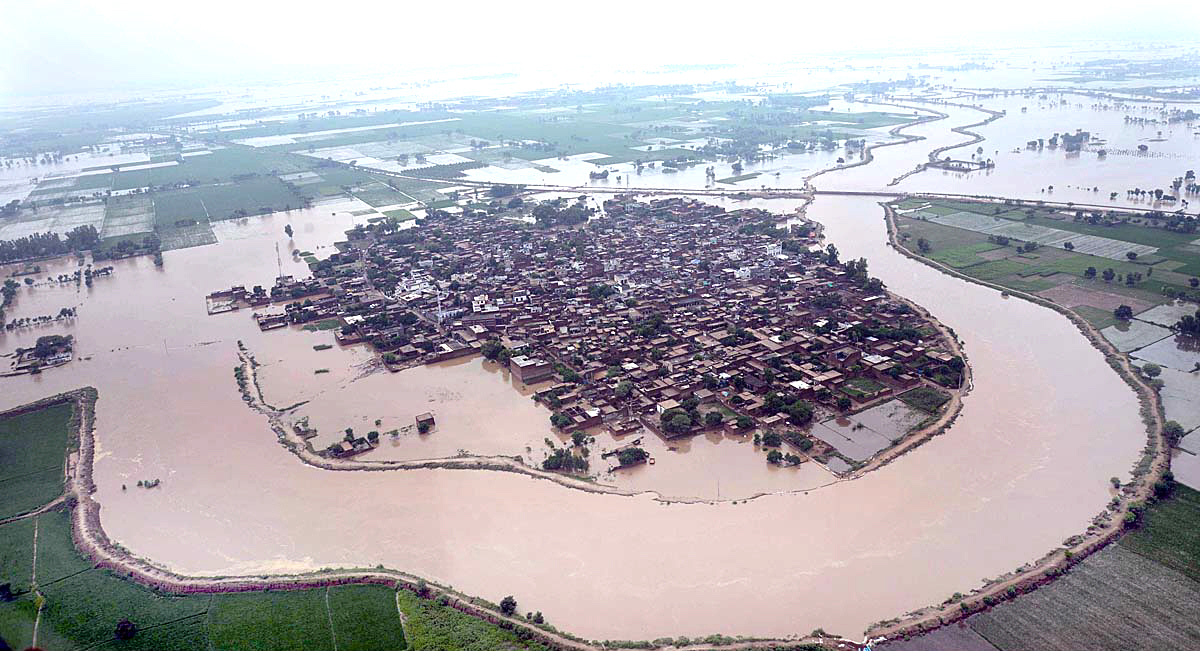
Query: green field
[
  {"x": 1176, "y": 249},
  {"x": 400, "y": 215},
  {"x": 221, "y": 166},
  {"x": 1046, "y": 268},
  {"x": 743, "y": 177},
  {"x": 226, "y": 201},
  {"x": 925, "y": 398},
  {"x": 32, "y": 450},
  {"x": 324, "y": 324},
  {"x": 365, "y": 618},
  {"x": 861, "y": 386},
  {"x": 83, "y": 606},
  {"x": 434, "y": 627},
  {"x": 377, "y": 194},
  {"x": 16, "y": 554},
  {"x": 1140, "y": 593},
  {"x": 176, "y": 205},
  {"x": 1170, "y": 533}
]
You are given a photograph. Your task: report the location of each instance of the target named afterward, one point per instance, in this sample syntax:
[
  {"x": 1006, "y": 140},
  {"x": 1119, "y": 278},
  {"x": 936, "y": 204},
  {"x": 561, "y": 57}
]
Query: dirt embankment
[
  {"x": 896, "y": 132},
  {"x": 1107, "y": 527}
]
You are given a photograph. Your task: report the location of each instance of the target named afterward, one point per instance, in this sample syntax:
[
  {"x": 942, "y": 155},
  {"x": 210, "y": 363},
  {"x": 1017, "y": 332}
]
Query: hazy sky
[{"x": 62, "y": 45}]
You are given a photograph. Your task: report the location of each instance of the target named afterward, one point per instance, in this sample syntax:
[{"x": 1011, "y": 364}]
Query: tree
[
  {"x": 680, "y": 422},
  {"x": 800, "y": 412},
  {"x": 1194, "y": 282},
  {"x": 623, "y": 389},
  {"x": 713, "y": 418},
  {"x": 631, "y": 456},
  {"x": 288, "y": 229},
  {"x": 578, "y": 438},
  {"x": 491, "y": 349},
  {"x": 1123, "y": 312},
  {"x": 1108, "y": 275},
  {"x": 843, "y": 403},
  {"x": 772, "y": 439},
  {"x": 923, "y": 245},
  {"x": 1173, "y": 431},
  {"x": 745, "y": 422},
  {"x": 1151, "y": 370},
  {"x": 774, "y": 456},
  {"x": 125, "y": 629},
  {"x": 1189, "y": 324},
  {"x": 831, "y": 255},
  {"x": 1131, "y": 255},
  {"x": 559, "y": 419},
  {"x": 373, "y": 436},
  {"x": 1090, "y": 273},
  {"x": 508, "y": 605}
]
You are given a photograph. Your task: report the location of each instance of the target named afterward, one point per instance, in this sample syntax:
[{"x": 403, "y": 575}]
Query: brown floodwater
[{"x": 1024, "y": 467}]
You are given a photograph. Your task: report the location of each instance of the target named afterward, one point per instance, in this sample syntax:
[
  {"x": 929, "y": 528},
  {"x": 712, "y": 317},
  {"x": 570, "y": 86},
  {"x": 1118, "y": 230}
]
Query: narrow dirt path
[
  {"x": 403, "y": 621},
  {"x": 37, "y": 620},
  {"x": 329, "y": 614},
  {"x": 33, "y": 574}
]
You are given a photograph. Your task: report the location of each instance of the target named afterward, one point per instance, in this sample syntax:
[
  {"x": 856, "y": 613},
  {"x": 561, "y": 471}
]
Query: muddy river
[{"x": 1025, "y": 466}]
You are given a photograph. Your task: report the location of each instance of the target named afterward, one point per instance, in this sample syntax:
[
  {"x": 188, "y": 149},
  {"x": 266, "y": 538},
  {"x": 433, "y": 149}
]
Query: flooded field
[
  {"x": 1053, "y": 174},
  {"x": 1025, "y": 466}
]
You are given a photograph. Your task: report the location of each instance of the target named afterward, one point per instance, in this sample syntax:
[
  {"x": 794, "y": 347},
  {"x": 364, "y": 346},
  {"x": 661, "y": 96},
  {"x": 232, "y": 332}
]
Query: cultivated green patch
[
  {"x": 1170, "y": 532},
  {"x": 32, "y": 452}
]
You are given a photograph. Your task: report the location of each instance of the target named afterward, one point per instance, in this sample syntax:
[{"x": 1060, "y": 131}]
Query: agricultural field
[
  {"x": 128, "y": 215},
  {"x": 83, "y": 605},
  {"x": 32, "y": 452},
  {"x": 1170, "y": 534},
  {"x": 1114, "y": 600},
  {"x": 258, "y": 195},
  {"x": 926, "y": 399},
  {"x": 221, "y": 166},
  {"x": 53, "y": 219},
  {"x": 1141, "y": 593},
  {"x": 969, "y": 236},
  {"x": 434, "y": 627}
]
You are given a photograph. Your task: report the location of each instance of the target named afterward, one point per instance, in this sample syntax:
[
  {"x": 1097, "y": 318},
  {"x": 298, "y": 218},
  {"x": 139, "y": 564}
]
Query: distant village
[{"x": 673, "y": 314}]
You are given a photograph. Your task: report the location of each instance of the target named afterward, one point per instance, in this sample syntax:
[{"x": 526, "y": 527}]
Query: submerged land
[{"x": 680, "y": 306}]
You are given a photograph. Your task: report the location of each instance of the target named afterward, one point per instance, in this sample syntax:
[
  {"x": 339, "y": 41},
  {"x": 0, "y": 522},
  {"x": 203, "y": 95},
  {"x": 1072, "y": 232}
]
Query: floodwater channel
[{"x": 1026, "y": 465}]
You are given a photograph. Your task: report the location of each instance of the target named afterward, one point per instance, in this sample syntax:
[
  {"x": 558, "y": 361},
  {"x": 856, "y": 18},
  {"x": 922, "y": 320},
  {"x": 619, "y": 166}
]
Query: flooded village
[
  {"x": 542, "y": 380},
  {"x": 672, "y": 315}
]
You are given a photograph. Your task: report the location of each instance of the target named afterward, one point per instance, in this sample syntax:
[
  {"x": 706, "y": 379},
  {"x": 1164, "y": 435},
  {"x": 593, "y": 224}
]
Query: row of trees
[{"x": 37, "y": 245}]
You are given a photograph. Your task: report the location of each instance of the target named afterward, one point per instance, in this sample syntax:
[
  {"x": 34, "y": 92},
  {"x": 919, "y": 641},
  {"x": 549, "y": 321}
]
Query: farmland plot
[
  {"x": 1114, "y": 600},
  {"x": 1103, "y": 247},
  {"x": 128, "y": 215}
]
